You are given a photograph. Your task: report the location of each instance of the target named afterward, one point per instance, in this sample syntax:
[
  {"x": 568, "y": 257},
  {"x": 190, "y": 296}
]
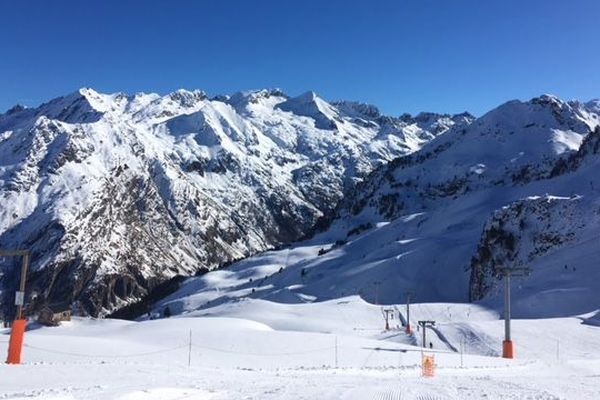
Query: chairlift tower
[
  {"x": 508, "y": 348},
  {"x": 424, "y": 326},
  {"x": 409, "y": 294},
  {"x": 377, "y": 284},
  {"x": 389, "y": 314}
]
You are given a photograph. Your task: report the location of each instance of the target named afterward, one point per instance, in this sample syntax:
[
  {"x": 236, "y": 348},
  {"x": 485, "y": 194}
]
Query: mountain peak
[
  {"x": 87, "y": 92},
  {"x": 82, "y": 105},
  {"x": 244, "y": 98},
  {"x": 547, "y": 99},
  {"x": 358, "y": 109},
  {"x": 307, "y": 97},
  {"x": 187, "y": 98},
  {"x": 593, "y": 104},
  {"x": 464, "y": 114},
  {"x": 98, "y": 101},
  {"x": 16, "y": 109},
  {"x": 310, "y": 105}
]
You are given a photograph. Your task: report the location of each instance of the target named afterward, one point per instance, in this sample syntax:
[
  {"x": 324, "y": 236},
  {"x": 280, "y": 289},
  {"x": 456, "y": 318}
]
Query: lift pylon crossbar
[{"x": 13, "y": 253}]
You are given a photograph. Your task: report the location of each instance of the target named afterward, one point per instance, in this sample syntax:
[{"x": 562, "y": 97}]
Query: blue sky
[{"x": 401, "y": 55}]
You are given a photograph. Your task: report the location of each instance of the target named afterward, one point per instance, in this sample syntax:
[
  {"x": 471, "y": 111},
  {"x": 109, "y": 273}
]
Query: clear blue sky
[{"x": 401, "y": 55}]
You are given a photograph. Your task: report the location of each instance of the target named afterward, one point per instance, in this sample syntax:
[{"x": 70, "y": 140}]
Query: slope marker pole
[
  {"x": 190, "y": 350},
  {"x": 462, "y": 350},
  {"x": 336, "y": 351}
]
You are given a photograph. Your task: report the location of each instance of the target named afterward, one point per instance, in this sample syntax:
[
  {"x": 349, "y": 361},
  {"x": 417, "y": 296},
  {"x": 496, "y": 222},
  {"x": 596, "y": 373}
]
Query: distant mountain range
[{"x": 115, "y": 194}]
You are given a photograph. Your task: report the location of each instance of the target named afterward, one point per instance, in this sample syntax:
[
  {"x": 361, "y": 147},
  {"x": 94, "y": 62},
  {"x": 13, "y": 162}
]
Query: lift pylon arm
[{"x": 14, "y": 253}]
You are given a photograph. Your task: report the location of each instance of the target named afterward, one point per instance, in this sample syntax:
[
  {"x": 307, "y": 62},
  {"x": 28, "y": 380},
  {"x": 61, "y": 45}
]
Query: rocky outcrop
[{"x": 518, "y": 234}]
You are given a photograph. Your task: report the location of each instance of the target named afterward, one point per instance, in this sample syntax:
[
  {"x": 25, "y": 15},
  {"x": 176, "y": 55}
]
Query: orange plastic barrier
[
  {"x": 508, "y": 349},
  {"x": 428, "y": 366},
  {"x": 16, "y": 341}
]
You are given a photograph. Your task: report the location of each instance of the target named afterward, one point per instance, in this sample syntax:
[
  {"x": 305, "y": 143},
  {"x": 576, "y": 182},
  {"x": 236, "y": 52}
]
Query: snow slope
[
  {"x": 117, "y": 193},
  {"x": 257, "y": 349}
]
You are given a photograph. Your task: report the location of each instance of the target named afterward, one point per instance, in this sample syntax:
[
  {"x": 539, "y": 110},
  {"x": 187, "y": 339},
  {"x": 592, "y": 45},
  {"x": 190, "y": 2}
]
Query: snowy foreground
[{"x": 257, "y": 349}]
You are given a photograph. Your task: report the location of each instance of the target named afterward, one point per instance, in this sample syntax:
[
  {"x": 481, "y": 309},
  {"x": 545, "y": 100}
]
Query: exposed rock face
[
  {"x": 115, "y": 193},
  {"x": 518, "y": 234}
]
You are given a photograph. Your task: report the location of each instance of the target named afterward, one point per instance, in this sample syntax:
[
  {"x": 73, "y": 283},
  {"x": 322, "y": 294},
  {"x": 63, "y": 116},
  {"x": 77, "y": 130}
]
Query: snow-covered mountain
[
  {"x": 519, "y": 187},
  {"x": 115, "y": 193},
  {"x": 456, "y": 183}
]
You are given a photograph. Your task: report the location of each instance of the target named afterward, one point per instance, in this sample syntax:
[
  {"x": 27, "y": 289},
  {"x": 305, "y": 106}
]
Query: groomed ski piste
[
  {"x": 235, "y": 356},
  {"x": 228, "y": 341}
]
